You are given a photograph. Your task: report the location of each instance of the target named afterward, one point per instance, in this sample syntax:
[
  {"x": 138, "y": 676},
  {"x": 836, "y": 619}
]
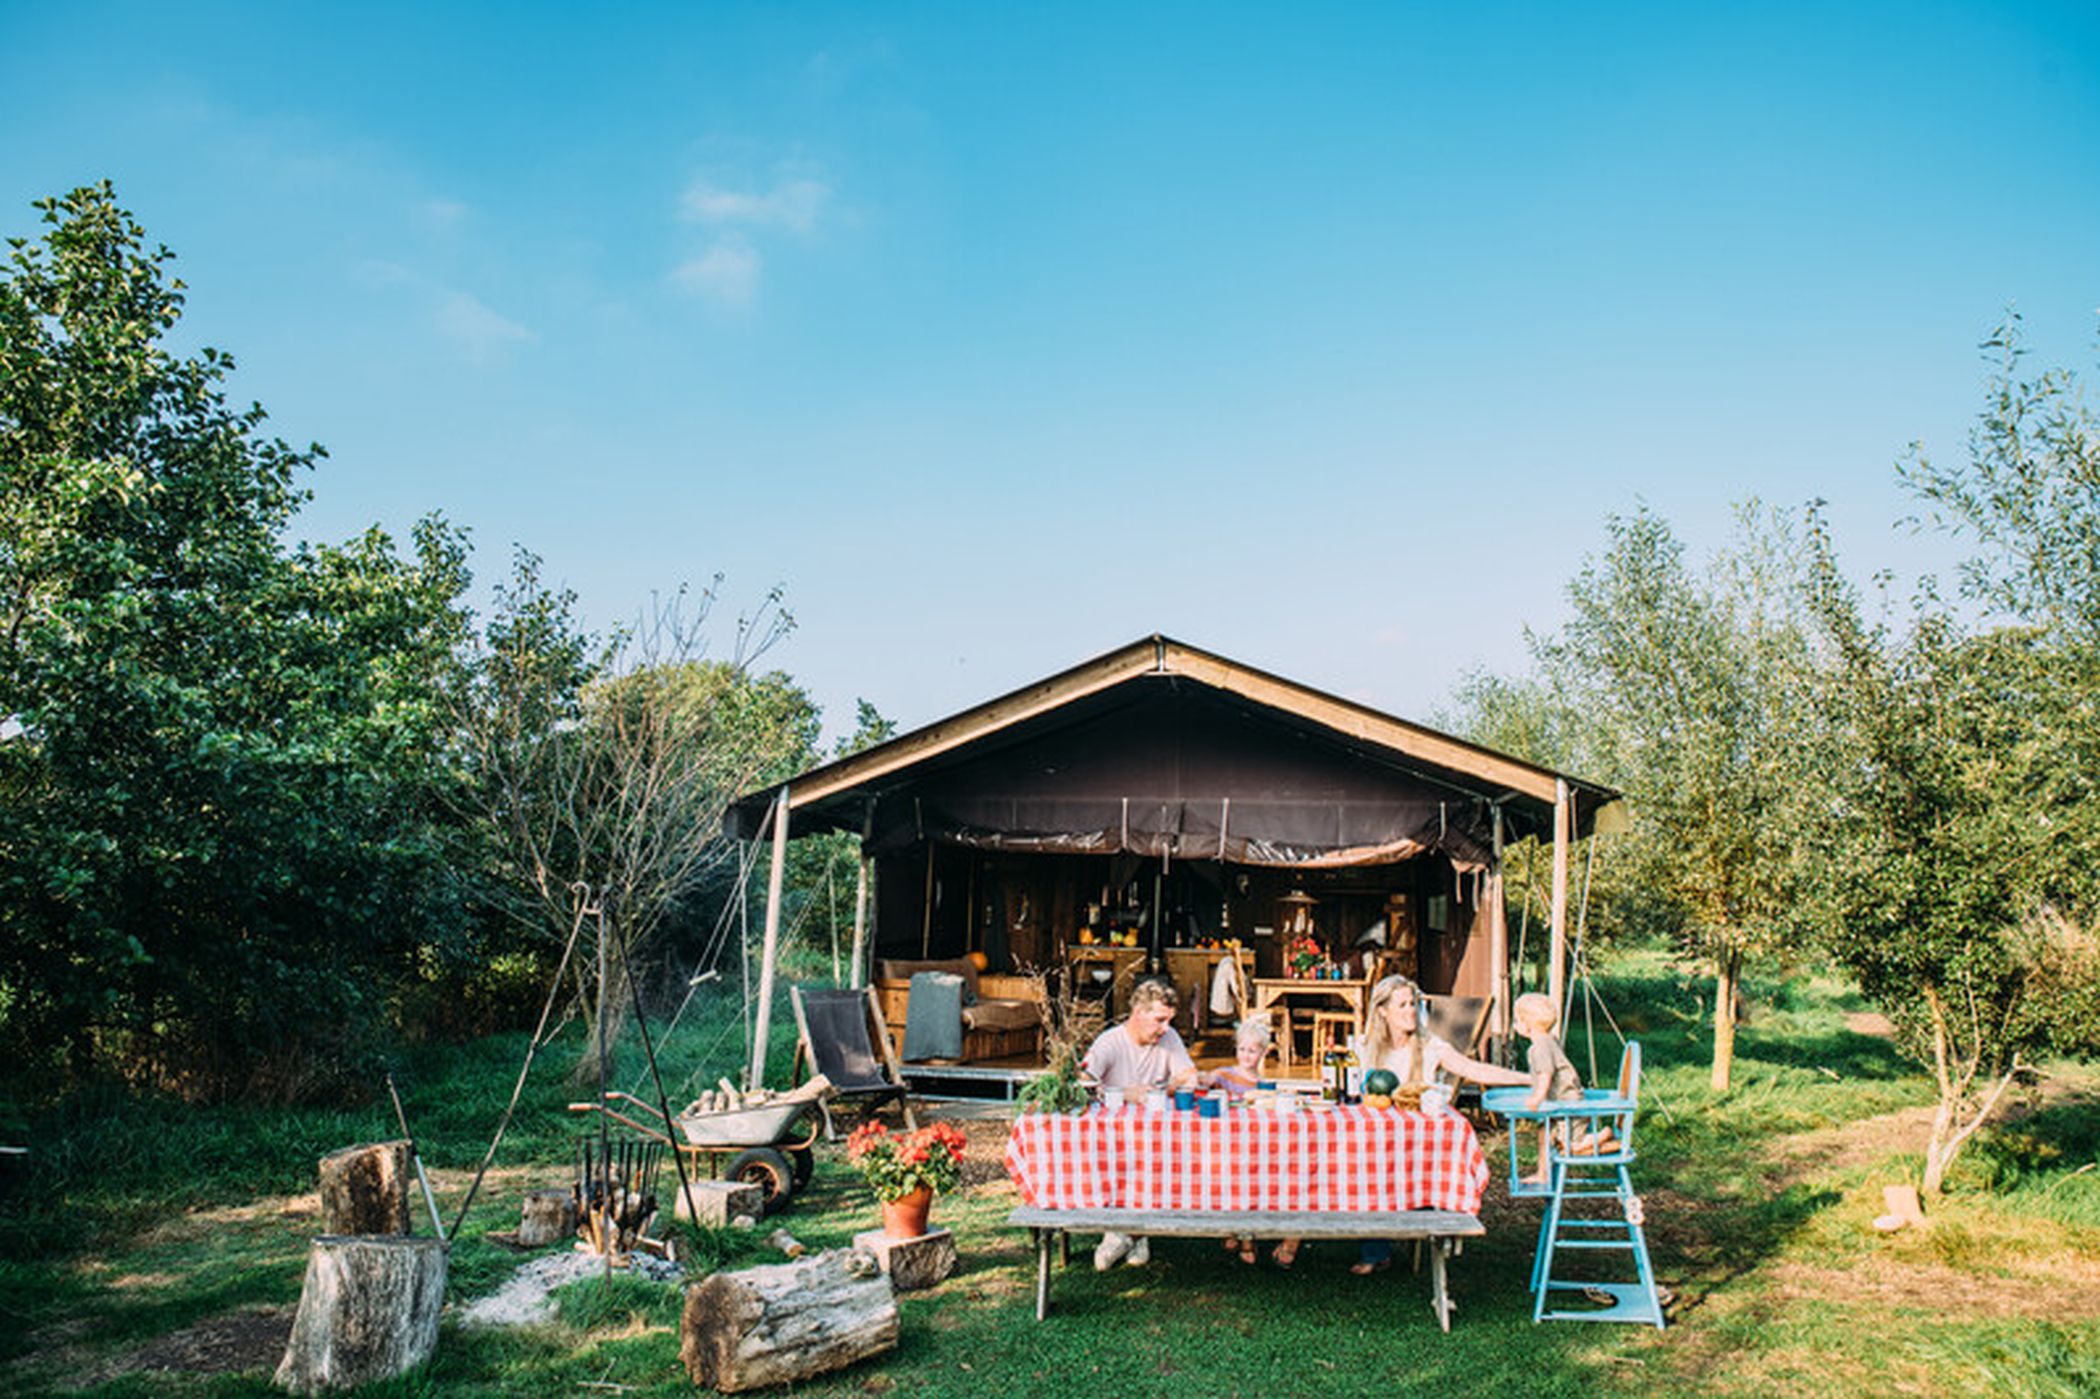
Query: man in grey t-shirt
[{"x": 1142, "y": 1053}]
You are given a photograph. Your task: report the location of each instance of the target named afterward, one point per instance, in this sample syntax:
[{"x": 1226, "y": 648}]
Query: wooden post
[
  {"x": 860, "y": 927},
  {"x": 926, "y": 908},
  {"x": 1556, "y": 969},
  {"x": 1498, "y": 941},
  {"x": 770, "y": 950},
  {"x": 368, "y": 1311}
]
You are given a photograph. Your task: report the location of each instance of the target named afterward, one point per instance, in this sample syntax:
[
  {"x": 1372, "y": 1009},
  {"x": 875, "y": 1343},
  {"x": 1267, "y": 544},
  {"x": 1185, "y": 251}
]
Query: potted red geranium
[{"x": 906, "y": 1170}]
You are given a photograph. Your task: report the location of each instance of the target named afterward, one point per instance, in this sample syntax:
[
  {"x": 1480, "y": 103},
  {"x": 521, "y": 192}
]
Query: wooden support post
[
  {"x": 1042, "y": 1271},
  {"x": 1498, "y": 942},
  {"x": 926, "y": 908},
  {"x": 1556, "y": 970},
  {"x": 770, "y": 952},
  {"x": 860, "y": 901}
]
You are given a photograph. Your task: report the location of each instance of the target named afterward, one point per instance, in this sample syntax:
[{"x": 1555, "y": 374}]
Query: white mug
[
  {"x": 1112, "y": 1098},
  {"x": 1156, "y": 1100}
]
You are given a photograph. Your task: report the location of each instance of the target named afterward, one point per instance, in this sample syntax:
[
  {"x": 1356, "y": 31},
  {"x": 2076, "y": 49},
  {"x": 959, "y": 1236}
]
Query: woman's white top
[{"x": 1435, "y": 1063}]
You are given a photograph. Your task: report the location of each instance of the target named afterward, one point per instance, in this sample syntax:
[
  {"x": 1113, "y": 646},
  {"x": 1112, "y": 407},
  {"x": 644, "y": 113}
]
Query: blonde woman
[{"x": 1396, "y": 1039}]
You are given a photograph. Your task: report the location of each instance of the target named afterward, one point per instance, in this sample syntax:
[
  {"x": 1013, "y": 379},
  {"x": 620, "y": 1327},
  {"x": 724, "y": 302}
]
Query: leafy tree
[
  {"x": 823, "y": 871},
  {"x": 2028, "y": 493},
  {"x": 1686, "y": 690},
  {"x": 598, "y": 770},
  {"x": 1964, "y": 762},
  {"x": 217, "y": 848}
]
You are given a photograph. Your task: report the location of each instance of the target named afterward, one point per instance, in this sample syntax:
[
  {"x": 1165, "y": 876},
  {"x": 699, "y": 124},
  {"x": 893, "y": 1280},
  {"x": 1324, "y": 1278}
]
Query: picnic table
[{"x": 1323, "y": 1172}]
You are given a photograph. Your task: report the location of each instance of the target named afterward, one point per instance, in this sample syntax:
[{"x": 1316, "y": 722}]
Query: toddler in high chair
[{"x": 1552, "y": 1077}]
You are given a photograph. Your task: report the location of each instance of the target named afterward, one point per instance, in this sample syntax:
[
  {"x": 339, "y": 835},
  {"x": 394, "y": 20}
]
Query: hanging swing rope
[
  {"x": 1582, "y": 924},
  {"x": 581, "y": 893},
  {"x": 710, "y": 958},
  {"x": 663, "y": 1101},
  {"x": 747, "y": 863},
  {"x": 1593, "y": 999}
]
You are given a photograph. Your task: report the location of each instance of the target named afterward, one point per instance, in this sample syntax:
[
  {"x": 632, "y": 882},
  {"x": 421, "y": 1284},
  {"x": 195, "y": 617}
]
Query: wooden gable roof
[{"x": 1034, "y": 737}]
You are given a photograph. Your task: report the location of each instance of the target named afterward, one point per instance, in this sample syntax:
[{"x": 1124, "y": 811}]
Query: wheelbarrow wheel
[
  {"x": 767, "y": 1169},
  {"x": 805, "y": 1165}
]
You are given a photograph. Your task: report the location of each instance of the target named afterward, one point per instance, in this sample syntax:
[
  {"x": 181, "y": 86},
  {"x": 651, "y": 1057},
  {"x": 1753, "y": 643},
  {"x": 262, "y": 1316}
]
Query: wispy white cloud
[
  {"x": 471, "y": 324},
  {"x": 794, "y": 202},
  {"x": 441, "y": 215},
  {"x": 726, "y": 273}
]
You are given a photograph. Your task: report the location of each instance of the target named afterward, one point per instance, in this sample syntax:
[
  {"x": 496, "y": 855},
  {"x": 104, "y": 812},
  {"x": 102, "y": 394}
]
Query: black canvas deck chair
[
  {"x": 1456, "y": 1020},
  {"x": 839, "y": 1033}
]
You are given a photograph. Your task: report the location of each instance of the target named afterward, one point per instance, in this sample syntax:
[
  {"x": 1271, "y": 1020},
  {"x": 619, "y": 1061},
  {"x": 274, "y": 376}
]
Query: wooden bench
[{"x": 1442, "y": 1229}]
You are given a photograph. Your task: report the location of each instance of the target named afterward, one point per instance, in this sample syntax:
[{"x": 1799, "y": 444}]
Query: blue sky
[{"x": 1001, "y": 335}]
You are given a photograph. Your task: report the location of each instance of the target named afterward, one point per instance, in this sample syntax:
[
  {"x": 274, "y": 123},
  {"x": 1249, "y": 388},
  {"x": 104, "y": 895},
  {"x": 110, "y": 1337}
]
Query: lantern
[{"x": 1294, "y": 916}]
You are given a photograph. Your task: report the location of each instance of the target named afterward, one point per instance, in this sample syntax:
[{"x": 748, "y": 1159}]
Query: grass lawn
[{"x": 170, "y": 1258}]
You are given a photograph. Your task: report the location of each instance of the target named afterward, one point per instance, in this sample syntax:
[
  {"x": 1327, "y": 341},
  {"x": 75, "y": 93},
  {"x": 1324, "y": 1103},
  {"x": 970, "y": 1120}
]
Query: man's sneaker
[
  {"x": 1140, "y": 1253},
  {"x": 1111, "y": 1251}
]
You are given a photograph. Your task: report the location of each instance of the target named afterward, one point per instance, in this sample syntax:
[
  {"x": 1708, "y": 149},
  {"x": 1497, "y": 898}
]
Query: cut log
[
  {"x": 364, "y": 1190},
  {"x": 716, "y": 1204},
  {"x": 369, "y": 1311},
  {"x": 910, "y": 1264},
  {"x": 786, "y": 1322},
  {"x": 549, "y": 1216}
]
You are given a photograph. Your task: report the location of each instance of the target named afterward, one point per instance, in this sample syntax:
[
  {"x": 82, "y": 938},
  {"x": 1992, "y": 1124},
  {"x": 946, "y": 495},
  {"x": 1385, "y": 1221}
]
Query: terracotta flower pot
[{"x": 906, "y": 1218}]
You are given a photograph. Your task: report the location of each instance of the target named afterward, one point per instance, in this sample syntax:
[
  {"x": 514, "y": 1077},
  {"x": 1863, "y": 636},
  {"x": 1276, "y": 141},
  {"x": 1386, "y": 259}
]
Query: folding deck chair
[
  {"x": 834, "y": 1038},
  {"x": 1457, "y": 1020}
]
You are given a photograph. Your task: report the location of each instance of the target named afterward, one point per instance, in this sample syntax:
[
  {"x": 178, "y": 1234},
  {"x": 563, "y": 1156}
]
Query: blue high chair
[{"x": 1590, "y": 1203}]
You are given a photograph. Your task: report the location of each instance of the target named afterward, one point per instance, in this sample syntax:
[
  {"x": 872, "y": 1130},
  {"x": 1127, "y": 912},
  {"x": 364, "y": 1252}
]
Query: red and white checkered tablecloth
[{"x": 1326, "y": 1159}]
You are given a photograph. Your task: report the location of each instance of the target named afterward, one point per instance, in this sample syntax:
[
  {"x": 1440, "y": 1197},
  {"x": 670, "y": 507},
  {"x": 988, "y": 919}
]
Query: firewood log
[
  {"x": 785, "y": 1322},
  {"x": 364, "y": 1189}
]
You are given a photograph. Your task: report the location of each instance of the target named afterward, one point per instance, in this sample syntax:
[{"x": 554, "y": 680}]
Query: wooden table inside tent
[
  {"x": 1124, "y": 965},
  {"x": 1352, "y": 994}
]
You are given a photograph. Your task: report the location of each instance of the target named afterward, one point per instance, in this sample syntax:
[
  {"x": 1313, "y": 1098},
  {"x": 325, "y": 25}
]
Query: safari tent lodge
[{"x": 1164, "y": 809}]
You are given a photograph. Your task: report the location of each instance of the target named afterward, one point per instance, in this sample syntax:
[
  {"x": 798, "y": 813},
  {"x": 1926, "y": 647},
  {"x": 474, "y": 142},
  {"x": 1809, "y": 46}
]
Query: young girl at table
[
  {"x": 1396, "y": 1039},
  {"x": 1250, "y": 1046}
]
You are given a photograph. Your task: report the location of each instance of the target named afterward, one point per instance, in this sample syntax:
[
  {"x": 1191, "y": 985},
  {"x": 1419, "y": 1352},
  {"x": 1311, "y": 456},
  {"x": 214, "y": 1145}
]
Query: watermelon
[{"x": 1381, "y": 1081}]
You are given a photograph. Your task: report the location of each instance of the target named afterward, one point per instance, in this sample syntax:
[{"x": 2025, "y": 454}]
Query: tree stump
[
  {"x": 364, "y": 1190},
  {"x": 368, "y": 1311},
  {"x": 785, "y": 1322},
  {"x": 549, "y": 1216}
]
